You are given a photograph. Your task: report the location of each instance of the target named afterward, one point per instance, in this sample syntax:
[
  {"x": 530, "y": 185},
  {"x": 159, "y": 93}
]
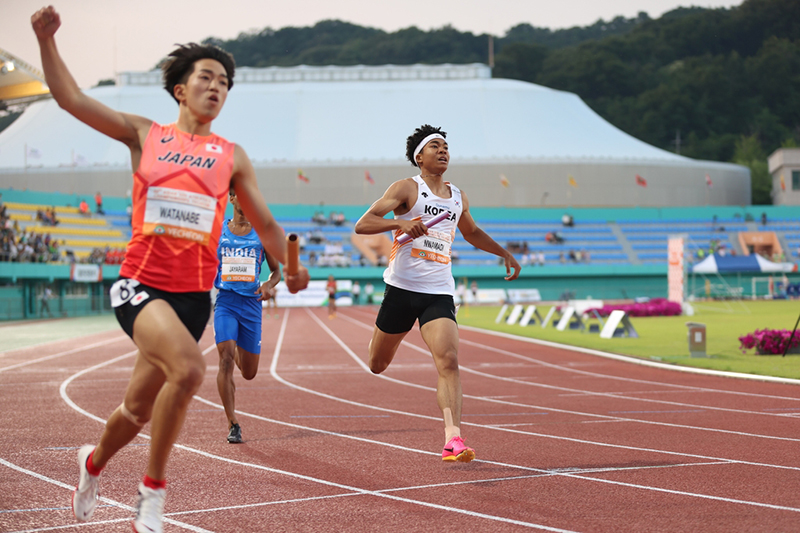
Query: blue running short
[{"x": 238, "y": 318}]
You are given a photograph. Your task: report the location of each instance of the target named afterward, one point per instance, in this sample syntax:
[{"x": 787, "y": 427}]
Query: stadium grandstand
[{"x": 534, "y": 161}]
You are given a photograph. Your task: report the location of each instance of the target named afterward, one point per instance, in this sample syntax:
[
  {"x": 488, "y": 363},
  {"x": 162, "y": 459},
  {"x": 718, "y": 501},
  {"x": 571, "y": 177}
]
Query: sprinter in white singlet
[{"x": 419, "y": 279}]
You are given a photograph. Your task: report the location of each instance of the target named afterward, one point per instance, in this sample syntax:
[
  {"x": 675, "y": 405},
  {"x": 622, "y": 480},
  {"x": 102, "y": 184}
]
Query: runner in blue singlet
[{"x": 238, "y": 310}]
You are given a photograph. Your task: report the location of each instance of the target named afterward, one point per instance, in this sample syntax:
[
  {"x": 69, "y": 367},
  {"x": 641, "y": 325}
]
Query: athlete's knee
[
  {"x": 378, "y": 363},
  {"x": 447, "y": 361},
  {"x": 226, "y": 362},
  {"x": 190, "y": 377},
  {"x": 249, "y": 373}
]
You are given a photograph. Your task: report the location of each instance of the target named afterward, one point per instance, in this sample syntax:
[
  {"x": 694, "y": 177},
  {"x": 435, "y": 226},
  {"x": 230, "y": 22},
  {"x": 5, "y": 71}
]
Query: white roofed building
[{"x": 336, "y": 123}]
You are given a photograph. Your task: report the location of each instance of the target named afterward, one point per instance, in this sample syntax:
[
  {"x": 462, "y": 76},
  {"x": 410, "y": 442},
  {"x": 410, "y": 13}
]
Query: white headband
[{"x": 425, "y": 141}]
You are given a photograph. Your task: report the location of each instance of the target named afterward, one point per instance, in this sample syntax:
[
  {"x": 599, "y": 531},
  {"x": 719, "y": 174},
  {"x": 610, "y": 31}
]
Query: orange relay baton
[{"x": 292, "y": 254}]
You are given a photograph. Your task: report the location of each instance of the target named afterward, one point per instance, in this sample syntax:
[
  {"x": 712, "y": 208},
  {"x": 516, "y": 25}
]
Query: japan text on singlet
[
  {"x": 423, "y": 264},
  {"x": 180, "y": 191},
  {"x": 240, "y": 259}
]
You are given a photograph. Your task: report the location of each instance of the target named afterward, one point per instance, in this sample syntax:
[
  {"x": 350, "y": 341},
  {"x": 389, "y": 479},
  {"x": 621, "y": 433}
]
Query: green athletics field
[{"x": 665, "y": 339}]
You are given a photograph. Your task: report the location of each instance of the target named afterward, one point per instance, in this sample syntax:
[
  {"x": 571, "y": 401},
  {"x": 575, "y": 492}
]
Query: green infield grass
[{"x": 665, "y": 339}]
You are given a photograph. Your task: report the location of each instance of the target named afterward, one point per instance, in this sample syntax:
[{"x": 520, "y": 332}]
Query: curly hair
[
  {"x": 179, "y": 64},
  {"x": 419, "y": 134}
]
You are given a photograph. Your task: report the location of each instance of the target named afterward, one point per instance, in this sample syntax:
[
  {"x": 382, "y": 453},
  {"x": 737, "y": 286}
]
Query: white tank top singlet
[{"x": 423, "y": 264}]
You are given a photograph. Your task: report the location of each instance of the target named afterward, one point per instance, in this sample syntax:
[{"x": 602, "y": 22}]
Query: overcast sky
[{"x": 100, "y": 37}]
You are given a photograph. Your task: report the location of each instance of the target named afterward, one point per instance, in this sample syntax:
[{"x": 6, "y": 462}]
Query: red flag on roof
[
  {"x": 641, "y": 181},
  {"x": 783, "y": 183},
  {"x": 368, "y": 177},
  {"x": 302, "y": 177},
  {"x": 709, "y": 183}
]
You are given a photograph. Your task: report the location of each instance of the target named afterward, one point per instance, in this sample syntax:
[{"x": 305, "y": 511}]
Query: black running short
[
  {"x": 128, "y": 298},
  {"x": 401, "y": 308}
]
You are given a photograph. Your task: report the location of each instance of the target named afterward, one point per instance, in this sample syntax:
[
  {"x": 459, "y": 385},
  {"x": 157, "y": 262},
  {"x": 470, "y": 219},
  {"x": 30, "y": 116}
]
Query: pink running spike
[{"x": 456, "y": 450}]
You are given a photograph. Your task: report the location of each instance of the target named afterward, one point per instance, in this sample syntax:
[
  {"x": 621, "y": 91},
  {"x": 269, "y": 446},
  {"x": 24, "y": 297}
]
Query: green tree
[
  {"x": 749, "y": 153},
  {"x": 520, "y": 61}
]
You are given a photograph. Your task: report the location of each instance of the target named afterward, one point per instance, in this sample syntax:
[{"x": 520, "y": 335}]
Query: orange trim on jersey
[{"x": 396, "y": 245}]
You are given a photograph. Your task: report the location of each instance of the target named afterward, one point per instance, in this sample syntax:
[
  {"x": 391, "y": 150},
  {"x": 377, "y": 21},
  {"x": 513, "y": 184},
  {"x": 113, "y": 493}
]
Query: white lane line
[
  {"x": 411, "y": 414},
  {"x": 625, "y": 358},
  {"x": 504, "y": 429},
  {"x": 573, "y": 370},
  {"x": 638, "y": 361},
  {"x": 623, "y": 395},
  {"x": 73, "y": 526},
  {"x": 714, "y": 460},
  {"x": 101, "y": 498},
  {"x": 474, "y": 514},
  {"x": 351, "y": 494},
  {"x": 583, "y": 413},
  {"x": 61, "y": 354}
]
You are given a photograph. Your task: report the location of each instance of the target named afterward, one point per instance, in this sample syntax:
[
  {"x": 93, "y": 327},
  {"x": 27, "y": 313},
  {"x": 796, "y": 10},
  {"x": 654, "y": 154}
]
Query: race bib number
[
  {"x": 124, "y": 291},
  {"x": 179, "y": 214},
  {"x": 238, "y": 269},
  {"x": 435, "y": 246}
]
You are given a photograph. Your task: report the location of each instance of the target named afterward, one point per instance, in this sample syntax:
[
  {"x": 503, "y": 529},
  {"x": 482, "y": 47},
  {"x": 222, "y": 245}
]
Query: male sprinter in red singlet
[
  {"x": 182, "y": 174},
  {"x": 419, "y": 280}
]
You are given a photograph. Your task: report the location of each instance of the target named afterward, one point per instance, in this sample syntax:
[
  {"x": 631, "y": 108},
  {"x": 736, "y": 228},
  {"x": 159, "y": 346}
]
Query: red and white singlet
[
  {"x": 180, "y": 191},
  {"x": 423, "y": 264}
]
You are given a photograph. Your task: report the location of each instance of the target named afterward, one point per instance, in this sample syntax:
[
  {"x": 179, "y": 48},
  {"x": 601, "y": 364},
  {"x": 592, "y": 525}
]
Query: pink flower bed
[
  {"x": 769, "y": 341},
  {"x": 655, "y": 307}
]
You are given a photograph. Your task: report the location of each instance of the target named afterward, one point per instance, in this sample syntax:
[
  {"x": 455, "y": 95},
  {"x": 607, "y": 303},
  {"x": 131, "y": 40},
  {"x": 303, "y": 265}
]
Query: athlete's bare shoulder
[{"x": 404, "y": 191}]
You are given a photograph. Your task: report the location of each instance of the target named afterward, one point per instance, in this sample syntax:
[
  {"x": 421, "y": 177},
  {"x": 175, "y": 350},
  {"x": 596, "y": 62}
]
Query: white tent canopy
[{"x": 719, "y": 264}]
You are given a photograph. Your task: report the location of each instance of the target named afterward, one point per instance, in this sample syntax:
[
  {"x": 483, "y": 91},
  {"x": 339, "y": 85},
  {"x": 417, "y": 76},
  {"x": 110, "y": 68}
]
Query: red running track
[{"x": 565, "y": 440}]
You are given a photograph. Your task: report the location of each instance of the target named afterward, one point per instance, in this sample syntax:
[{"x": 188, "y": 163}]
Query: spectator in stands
[
  {"x": 26, "y": 252},
  {"x": 561, "y": 258},
  {"x": 567, "y": 220},
  {"x": 540, "y": 258},
  {"x": 5, "y": 248},
  {"x": 83, "y": 208},
  {"x": 338, "y": 218},
  {"x": 319, "y": 218},
  {"x": 312, "y": 259},
  {"x": 764, "y": 218},
  {"x": 98, "y": 199},
  {"x": 315, "y": 237},
  {"x": 55, "y": 252}
]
